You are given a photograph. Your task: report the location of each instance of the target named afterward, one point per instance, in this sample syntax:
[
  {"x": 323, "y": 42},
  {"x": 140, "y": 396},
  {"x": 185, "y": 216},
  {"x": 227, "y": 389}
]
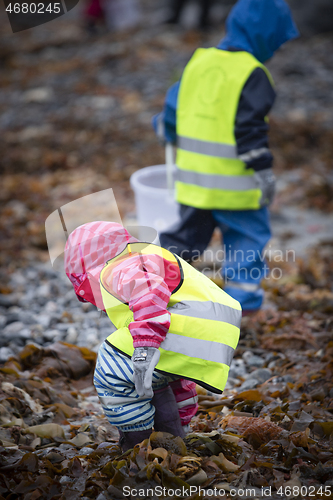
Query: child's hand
[
  {"x": 266, "y": 182},
  {"x": 144, "y": 361}
]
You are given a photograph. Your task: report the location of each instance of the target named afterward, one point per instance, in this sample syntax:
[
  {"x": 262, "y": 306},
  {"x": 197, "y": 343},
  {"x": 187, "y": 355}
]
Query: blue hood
[{"x": 259, "y": 27}]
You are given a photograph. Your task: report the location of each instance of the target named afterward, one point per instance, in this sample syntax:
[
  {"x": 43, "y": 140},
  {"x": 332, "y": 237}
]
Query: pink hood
[{"x": 87, "y": 249}]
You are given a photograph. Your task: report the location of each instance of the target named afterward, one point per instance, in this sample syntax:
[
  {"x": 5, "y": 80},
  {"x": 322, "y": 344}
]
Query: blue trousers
[
  {"x": 114, "y": 383},
  {"x": 244, "y": 234}
]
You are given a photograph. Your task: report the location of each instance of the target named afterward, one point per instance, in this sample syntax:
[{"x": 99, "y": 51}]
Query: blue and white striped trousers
[{"x": 113, "y": 379}]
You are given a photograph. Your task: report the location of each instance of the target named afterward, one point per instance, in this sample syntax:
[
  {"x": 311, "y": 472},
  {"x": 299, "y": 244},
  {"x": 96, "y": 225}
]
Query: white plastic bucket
[{"x": 155, "y": 203}]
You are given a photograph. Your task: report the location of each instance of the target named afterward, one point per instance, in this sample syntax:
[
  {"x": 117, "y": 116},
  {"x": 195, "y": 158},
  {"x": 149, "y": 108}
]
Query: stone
[
  {"x": 261, "y": 374},
  {"x": 253, "y": 360},
  {"x": 63, "y": 327},
  {"x": 65, "y": 479},
  {"x": 17, "y": 344},
  {"x": 32, "y": 275},
  {"x": 105, "y": 332},
  {"x": 248, "y": 384},
  {"x": 39, "y": 94},
  {"x": 72, "y": 335},
  {"x": 13, "y": 329},
  {"x": 237, "y": 368},
  {"x": 43, "y": 290},
  {"x": 231, "y": 382},
  {"x": 25, "y": 333},
  {"x": 92, "y": 336},
  {"x": 5, "y": 354},
  {"x": 8, "y": 300},
  {"x": 101, "y": 496},
  {"x": 86, "y": 450},
  {"x": 51, "y": 307},
  {"x": 12, "y": 317},
  {"x": 43, "y": 320},
  {"x": 27, "y": 317},
  {"x": 17, "y": 279},
  {"x": 53, "y": 335},
  {"x": 3, "y": 320}
]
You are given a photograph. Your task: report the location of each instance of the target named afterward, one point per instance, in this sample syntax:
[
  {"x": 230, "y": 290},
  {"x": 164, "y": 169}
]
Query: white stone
[
  {"x": 13, "y": 329},
  {"x": 39, "y": 94}
]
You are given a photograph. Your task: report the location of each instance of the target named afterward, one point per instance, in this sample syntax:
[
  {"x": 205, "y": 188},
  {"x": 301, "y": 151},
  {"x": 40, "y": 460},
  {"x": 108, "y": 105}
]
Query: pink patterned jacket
[{"x": 145, "y": 282}]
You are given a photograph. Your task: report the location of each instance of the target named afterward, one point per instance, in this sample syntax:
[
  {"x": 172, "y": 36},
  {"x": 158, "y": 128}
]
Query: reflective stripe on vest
[
  {"x": 198, "y": 348},
  {"x": 207, "y": 147},
  {"x": 204, "y": 328},
  {"x": 204, "y": 310},
  {"x": 222, "y": 182},
  {"x": 210, "y": 174}
]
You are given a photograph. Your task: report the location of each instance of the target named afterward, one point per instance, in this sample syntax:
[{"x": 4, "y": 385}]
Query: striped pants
[{"x": 123, "y": 407}]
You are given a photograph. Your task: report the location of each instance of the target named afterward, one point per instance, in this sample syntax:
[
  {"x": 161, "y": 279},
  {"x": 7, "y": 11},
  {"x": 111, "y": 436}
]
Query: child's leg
[
  {"x": 191, "y": 236},
  {"x": 167, "y": 417},
  {"x": 122, "y": 406},
  {"x": 245, "y": 234},
  {"x": 186, "y": 399}
]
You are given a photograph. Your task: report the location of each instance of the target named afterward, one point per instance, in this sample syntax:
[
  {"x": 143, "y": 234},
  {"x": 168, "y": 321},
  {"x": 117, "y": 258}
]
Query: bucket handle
[{"x": 169, "y": 161}]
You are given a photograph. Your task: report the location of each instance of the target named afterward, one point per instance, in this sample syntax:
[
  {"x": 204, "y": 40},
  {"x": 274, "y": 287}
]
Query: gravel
[
  {"x": 50, "y": 312},
  {"x": 47, "y": 313}
]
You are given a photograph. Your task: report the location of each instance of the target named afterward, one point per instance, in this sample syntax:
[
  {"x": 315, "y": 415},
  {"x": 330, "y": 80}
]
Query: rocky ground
[
  {"x": 269, "y": 434},
  {"x": 75, "y": 119}
]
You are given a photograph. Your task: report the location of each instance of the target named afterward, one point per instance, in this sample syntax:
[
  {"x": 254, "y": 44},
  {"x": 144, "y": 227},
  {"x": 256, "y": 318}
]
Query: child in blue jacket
[{"x": 259, "y": 28}]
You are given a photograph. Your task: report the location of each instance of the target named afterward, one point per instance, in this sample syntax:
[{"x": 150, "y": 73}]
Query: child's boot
[{"x": 129, "y": 439}]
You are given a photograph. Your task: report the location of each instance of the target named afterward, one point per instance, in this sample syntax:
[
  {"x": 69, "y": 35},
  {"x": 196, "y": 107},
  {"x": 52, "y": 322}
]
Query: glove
[
  {"x": 144, "y": 360},
  {"x": 265, "y": 180}
]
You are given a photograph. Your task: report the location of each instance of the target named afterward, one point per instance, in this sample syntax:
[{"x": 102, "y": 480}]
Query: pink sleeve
[{"x": 139, "y": 282}]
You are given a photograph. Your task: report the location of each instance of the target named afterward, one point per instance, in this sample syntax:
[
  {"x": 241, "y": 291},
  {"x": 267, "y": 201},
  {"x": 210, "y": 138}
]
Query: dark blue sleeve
[
  {"x": 251, "y": 128},
  {"x": 165, "y": 123}
]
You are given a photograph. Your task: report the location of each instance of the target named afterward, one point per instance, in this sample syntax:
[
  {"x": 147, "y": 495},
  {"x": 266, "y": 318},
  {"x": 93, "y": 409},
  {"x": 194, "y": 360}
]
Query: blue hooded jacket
[
  {"x": 259, "y": 27},
  {"x": 256, "y": 26}
]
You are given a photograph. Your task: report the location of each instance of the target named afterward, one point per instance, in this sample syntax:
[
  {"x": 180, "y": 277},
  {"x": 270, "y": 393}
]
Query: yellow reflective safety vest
[
  {"x": 204, "y": 329},
  {"x": 209, "y": 173}
]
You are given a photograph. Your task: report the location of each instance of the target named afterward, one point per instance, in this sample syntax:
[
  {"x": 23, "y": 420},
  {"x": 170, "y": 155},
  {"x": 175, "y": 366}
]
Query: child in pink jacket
[{"x": 146, "y": 285}]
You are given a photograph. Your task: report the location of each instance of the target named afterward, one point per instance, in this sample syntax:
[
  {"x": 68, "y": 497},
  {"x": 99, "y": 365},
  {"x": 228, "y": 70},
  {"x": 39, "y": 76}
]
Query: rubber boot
[
  {"x": 167, "y": 418},
  {"x": 129, "y": 439}
]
